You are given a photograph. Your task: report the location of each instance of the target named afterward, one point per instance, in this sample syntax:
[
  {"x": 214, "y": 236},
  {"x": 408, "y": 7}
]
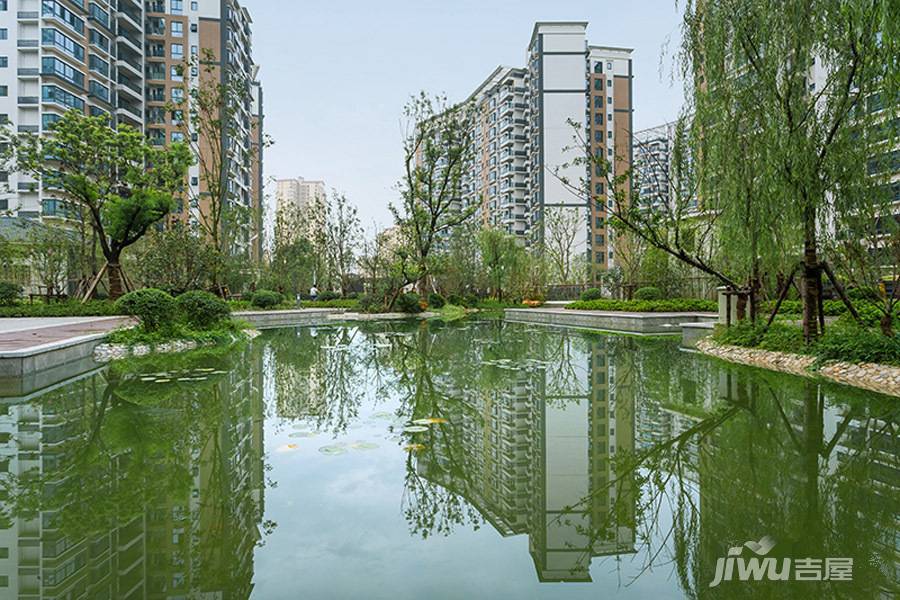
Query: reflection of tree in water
[
  {"x": 776, "y": 458},
  {"x": 182, "y": 453}
]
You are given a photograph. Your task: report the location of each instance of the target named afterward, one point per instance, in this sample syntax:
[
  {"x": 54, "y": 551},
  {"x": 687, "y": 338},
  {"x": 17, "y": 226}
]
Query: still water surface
[{"x": 465, "y": 460}]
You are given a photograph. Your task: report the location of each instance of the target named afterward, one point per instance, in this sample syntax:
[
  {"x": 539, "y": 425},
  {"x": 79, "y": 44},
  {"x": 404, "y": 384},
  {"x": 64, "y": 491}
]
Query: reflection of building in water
[
  {"x": 196, "y": 541},
  {"x": 535, "y": 456}
]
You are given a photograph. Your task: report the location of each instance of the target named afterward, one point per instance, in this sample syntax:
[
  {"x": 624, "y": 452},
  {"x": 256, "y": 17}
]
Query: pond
[{"x": 475, "y": 459}]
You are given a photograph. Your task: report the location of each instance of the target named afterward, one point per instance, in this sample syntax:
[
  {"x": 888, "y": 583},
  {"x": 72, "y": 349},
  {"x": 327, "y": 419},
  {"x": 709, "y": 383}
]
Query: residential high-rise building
[
  {"x": 525, "y": 176},
  {"x": 297, "y": 193},
  {"x": 125, "y": 59},
  {"x": 60, "y": 56},
  {"x": 214, "y": 38}
]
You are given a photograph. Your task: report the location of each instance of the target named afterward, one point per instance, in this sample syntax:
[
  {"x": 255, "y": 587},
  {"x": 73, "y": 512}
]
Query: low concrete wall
[
  {"x": 24, "y": 371},
  {"x": 625, "y": 322},
  {"x": 273, "y": 319},
  {"x": 692, "y": 333}
]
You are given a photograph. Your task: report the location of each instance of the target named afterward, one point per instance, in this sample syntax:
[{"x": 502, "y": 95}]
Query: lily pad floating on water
[
  {"x": 430, "y": 421},
  {"x": 415, "y": 447},
  {"x": 415, "y": 429},
  {"x": 364, "y": 446},
  {"x": 303, "y": 434},
  {"x": 333, "y": 450}
]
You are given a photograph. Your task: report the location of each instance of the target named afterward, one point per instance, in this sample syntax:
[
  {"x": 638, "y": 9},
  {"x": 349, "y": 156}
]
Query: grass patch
[
  {"x": 451, "y": 312},
  {"x": 646, "y": 306},
  {"x": 225, "y": 332}
]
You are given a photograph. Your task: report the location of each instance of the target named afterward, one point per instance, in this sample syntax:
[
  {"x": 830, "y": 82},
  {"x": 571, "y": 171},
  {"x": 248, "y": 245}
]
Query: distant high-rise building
[
  {"x": 525, "y": 166},
  {"x": 298, "y": 193}
]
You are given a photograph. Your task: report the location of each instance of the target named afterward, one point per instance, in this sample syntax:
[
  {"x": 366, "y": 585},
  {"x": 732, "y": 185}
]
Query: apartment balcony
[
  {"x": 131, "y": 65},
  {"x": 131, "y": 115},
  {"x": 28, "y": 100},
  {"x": 29, "y": 72},
  {"x": 27, "y": 45},
  {"x": 131, "y": 88},
  {"x": 130, "y": 41},
  {"x": 28, "y": 16},
  {"x": 129, "y": 15}
]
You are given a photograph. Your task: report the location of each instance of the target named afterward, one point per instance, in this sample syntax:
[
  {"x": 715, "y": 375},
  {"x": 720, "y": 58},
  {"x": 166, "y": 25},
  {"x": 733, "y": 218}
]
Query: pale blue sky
[{"x": 337, "y": 74}]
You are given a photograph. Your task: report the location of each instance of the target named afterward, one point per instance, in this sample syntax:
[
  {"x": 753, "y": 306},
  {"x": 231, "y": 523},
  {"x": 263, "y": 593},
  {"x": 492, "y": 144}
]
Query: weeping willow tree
[{"x": 778, "y": 89}]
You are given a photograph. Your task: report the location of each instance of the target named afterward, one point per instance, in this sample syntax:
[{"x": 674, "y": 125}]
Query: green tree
[
  {"x": 125, "y": 183},
  {"x": 437, "y": 151},
  {"x": 501, "y": 257},
  {"x": 175, "y": 259},
  {"x": 50, "y": 250},
  {"x": 804, "y": 145}
]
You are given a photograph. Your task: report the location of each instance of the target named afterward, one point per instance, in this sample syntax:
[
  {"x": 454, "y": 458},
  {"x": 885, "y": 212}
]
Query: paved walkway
[{"x": 17, "y": 335}]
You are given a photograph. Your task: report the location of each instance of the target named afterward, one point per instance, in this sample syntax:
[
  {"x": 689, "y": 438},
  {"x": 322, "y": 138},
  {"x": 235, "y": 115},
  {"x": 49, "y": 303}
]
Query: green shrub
[
  {"x": 457, "y": 300},
  {"x": 648, "y": 293},
  {"x": 369, "y": 303},
  {"x": 779, "y": 337},
  {"x": 436, "y": 301},
  {"x": 326, "y": 296},
  {"x": 202, "y": 310},
  {"x": 591, "y": 294},
  {"x": 409, "y": 303},
  {"x": 155, "y": 308},
  {"x": 9, "y": 293},
  {"x": 854, "y": 344},
  {"x": 266, "y": 299},
  {"x": 672, "y": 305}
]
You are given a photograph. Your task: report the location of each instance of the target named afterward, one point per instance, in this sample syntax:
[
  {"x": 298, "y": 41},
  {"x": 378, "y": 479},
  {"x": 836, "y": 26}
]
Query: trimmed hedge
[
  {"x": 648, "y": 293},
  {"x": 266, "y": 299},
  {"x": 591, "y": 294},
  {"x": 202, "y": 310},
  {"x": 72, "y": 308},
  {"x": 673, "y": 305},
  {"x": 155, "y": 308}
]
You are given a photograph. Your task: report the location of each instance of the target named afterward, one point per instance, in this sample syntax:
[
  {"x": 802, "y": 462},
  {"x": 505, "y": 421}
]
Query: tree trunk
[
  {"x": 114, "y": 271},
  {"x": 812, "y": 279},
  {"x": 887, "y": 324}
]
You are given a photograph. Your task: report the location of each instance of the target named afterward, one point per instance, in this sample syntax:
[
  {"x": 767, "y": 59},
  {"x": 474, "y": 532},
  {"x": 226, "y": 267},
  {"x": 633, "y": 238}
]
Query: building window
[
  {"x": 195, "y": 6},
  {"x": 195, "y": 50},
  {"x": 177, "y": 136},
  {"x": 4, "y": 91},
  {"x": 98, "y": 65},
  {"x": 178, "y": 51},
  {"x": 4, "y": 34},
  {"x": 177, "y": 95},
  {"x": 53, "y": 37},
  {"x": 193, "y": 28},
  {"x": 99, "y": 40},
  {"x": 598, "y": 84},
  {"x": 177, "y": 29},
  {"x": 177, "y": 7},
  {"x": 176, "y": 73},
  {"x": 54, "y": 66}
]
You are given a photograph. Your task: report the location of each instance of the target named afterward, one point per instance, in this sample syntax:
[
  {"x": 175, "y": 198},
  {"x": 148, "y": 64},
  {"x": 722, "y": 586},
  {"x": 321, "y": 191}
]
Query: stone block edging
[{"x": 883, "y": 379}]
